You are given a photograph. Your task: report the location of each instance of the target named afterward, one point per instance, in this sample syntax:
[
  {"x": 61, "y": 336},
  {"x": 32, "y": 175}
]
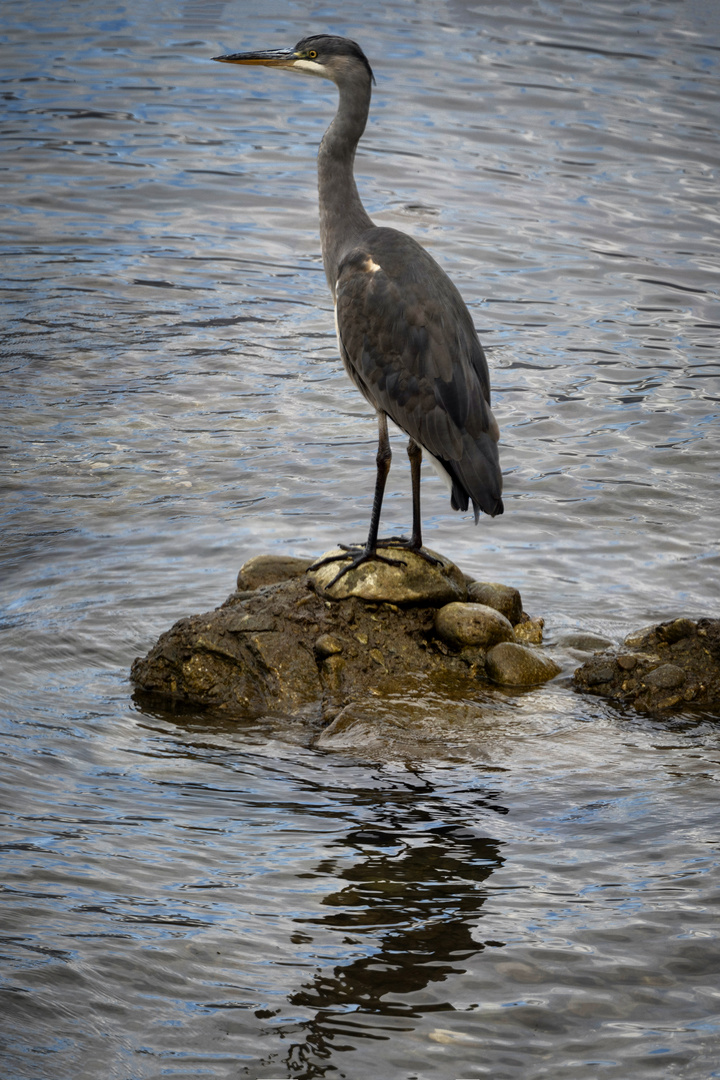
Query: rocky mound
[
  {"x": 289, "y": 642},
  {"x": 669, "y": 666}
]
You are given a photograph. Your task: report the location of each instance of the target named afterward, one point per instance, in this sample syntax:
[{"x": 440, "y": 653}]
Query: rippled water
[{"x": 535, "y": 895}]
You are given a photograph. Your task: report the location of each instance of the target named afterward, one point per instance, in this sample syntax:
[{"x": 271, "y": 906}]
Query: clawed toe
[
  {"x": 346, "y": 549},
  {"x": 404, "y": 544},
  {"x": 357, "y": 556}
]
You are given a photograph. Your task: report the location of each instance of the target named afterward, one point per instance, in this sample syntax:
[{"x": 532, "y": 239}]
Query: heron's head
[{"x": 335, "y": 58}]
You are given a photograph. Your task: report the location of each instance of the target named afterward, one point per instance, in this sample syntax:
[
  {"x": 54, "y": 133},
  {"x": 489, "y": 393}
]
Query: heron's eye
[{"x": 312, "y": 54}]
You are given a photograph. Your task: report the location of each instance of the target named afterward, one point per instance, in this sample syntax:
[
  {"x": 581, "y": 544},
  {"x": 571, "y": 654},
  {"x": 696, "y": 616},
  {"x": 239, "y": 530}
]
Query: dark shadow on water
[
  {"x": 404, "y": 913},
  {"x": 408, "y": 911}
]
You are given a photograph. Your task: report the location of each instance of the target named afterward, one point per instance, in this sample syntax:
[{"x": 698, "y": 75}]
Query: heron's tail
[{"x": 476, "y": 477}]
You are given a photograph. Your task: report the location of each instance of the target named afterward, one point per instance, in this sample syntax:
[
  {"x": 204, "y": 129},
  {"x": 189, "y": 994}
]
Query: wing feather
[{"x": 408, "y": 342}]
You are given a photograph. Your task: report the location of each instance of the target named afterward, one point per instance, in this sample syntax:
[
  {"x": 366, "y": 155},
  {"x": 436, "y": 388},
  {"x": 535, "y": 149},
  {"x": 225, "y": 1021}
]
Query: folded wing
[{"x": 409, "y": 344}]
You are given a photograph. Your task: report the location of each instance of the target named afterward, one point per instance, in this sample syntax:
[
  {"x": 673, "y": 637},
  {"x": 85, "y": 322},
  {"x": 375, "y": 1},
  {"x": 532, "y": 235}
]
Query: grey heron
[{"x": 406, "y": 338}]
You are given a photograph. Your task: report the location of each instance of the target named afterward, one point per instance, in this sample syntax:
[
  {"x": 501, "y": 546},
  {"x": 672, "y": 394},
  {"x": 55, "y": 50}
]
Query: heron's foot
[
  {"x": 345, "y": 551},
  {"x": 357, "y": 556},
  {"x": 405, "y": 544}
]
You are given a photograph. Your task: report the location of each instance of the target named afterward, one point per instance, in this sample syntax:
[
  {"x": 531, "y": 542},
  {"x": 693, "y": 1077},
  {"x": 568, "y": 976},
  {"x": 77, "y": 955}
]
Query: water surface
[{"x": 535, "y": 897}]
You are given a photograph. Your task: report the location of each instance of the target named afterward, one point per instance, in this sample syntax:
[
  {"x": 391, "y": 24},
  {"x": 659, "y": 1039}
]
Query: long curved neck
[{"x": 342, "y": 215}]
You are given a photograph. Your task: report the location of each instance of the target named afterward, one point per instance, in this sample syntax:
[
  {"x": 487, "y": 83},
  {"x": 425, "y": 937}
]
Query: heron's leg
[
  {"x": 383, "y": 459},
  {"x": 356, "y": 554},
  {"x": 415, "y": 542},
  {"x": 415, "y": 455}
]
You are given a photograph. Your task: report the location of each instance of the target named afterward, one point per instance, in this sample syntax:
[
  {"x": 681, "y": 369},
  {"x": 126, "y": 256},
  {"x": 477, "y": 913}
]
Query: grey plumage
[
  {"x": 406, "y": 338},
  {"x": 409, "y": 344}
]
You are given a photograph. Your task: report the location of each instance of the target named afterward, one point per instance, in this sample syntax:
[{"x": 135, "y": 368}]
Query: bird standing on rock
[{"x": 406, "y": 338}]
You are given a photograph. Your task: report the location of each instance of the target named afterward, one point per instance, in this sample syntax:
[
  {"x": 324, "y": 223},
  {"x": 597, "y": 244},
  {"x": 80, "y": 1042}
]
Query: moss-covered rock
[{"x": 280, "y": 646}]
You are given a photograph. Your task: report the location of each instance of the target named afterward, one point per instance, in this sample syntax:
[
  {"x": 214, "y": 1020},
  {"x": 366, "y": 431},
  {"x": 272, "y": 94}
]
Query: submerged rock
[
  {"x": 583, "y": 642},
  {"x": 280, "y": 646},
  {"x": 511, "y": 664},
  {"x": 417, "y": 717},
  {"x": 673, "y": 665}
]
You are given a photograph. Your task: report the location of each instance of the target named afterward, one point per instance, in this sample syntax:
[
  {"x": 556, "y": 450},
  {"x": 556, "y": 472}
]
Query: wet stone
[
  {"x": 599, "y": 672},
  {"x": 666, "y": 677},
  {"x": 269, "y": 570},
  {"x": 675, "y": 631},
  {"x": 327, "y": 645},
  {"x": 511, "y": 664},
  {"x": 503, "y": 598},
  {"x": 583, "y": 641},
  {"x": 284, "y": 648},
  {"x": 415, "y": 581},
  {"x": 680, "y": 655},
  {"x": 529, "y": 631},
  {"x": 472, "y": 624},
  {"x": 639, "y": 638}
]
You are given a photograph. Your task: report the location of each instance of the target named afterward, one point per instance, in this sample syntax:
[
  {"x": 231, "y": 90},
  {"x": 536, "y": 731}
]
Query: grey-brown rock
[
  {"x": 461, "y": 624},
  {"x": 327, "y": 645},
  {"x": 269, "y": 569},
  {"x": 529, "y": 631},
  {"x": 414, "y": 581},
  {"x": 285, "y": 650},
  {"x": 600, "y": 673},
  {"x": 504, "y": 598},
  {"x": 672, "y": 632},
  {"x": 665, "y": 677},
  {"x": 511, "y": 664},
  {"x": 582, "y": 641},
  {"x": 674, "y": 665}
]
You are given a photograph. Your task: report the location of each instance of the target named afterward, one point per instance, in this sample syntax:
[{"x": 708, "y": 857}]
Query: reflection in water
[
  {"x": 407, "y": 917},
  {"x": 191, "y": 900}
]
